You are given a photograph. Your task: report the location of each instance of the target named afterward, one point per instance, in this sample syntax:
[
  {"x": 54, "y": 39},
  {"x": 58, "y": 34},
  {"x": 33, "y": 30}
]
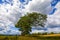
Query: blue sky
[
  {"x": 19, "y": 7},
  {"x": 1, "y": 1}
]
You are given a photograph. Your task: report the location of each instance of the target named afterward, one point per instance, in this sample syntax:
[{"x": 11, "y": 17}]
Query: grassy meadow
[{"x": 32, "y": 37}]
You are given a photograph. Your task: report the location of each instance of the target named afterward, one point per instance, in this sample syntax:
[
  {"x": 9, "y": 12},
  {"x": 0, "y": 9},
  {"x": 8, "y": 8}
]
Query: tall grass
[{"x": 30, "y": 37}]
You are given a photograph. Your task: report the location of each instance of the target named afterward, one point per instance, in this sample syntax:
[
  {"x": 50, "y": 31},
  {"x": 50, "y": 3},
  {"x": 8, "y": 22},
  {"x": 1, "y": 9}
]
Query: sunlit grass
[{"x": 32, "y": 37}]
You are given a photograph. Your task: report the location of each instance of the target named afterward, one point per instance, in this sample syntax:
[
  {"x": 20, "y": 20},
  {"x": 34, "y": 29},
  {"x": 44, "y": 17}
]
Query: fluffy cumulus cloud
[
  {"x": 41, "y": 6},
  {"x": 12, "y": 10},
  {"x": 55, "y": 17},
  {"x": 53, "y": 20}
]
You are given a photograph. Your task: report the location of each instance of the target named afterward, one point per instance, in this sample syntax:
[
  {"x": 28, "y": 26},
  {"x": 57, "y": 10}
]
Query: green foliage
[
  {"x": 45, "y": 33},
  {"x": 37, "y": 19},
  {"x": 31, "y": 19},
  {"x": 52, "y": 33}
]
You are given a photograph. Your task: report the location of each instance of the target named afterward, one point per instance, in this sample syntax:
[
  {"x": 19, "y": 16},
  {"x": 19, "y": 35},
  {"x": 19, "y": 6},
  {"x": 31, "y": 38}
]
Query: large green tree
[{"x": 31, "y": 19}]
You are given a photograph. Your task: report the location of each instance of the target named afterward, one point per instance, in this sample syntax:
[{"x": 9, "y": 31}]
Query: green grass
[{"x": 30, "y": 37}]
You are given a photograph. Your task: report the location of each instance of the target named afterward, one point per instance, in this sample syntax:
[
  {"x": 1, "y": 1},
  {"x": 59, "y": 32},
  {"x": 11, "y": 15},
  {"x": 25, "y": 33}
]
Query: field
[{"x": 32, "y": 37}]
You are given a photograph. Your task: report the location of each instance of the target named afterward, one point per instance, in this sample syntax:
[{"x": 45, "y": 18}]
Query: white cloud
[
  {"x": 53, "y": 21},
  {"x": 55, "y": 30},
  {"x": 10, "y": 14},
  {"x": 55, "y": 18},
  {"x": 42, "y": 6},
  {"x": 37, "y": 31}
]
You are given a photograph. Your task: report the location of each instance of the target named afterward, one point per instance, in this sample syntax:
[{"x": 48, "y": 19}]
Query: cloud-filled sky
[{"x": 12, "y": 10}]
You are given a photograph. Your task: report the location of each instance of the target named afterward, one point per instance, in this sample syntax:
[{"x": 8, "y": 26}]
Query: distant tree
[
  {"x": 45, "y": 33},
  {"x": 52, "y": 33},
  {"x": 31, "y": 19}
]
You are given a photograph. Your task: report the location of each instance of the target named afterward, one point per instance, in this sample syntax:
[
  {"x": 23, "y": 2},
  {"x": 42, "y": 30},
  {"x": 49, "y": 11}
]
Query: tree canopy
[{"x": 31, "y": 19}]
